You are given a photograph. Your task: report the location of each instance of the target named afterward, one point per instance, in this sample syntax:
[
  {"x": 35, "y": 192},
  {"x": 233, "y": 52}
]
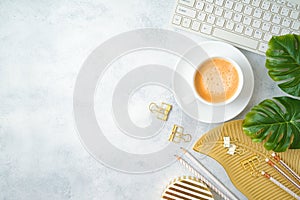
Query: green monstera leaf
[
  {"x": 275, "y": 121},
  {"x": 283, "y": 62}
]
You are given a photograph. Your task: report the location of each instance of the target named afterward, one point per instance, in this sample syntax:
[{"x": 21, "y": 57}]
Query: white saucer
[{"x": 183, "y": 83}]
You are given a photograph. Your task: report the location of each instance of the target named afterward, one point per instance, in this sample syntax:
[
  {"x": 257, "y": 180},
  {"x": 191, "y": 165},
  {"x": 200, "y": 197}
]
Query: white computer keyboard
[{"x": 248, "y": 24}]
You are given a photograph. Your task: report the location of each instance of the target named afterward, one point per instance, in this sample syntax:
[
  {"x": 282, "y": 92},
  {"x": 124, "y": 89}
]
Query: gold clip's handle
[
  {"x": 161, "y": 112},
  {"x": 240, "y": 151},
  {"x": 153, "y": 107}
]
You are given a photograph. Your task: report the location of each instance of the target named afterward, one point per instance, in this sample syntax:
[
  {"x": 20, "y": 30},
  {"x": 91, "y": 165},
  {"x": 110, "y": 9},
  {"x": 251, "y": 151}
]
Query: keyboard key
[
  {"x": 199, "y": 5},
  {"x": 205, "y": 28},
  {"x": 263, "y": 47},
  {"x": 267, "y": 37},
  {"x": 267, "y": 16},
  {"x": 296, "y": 25},
  {"x": 284, "y": 32},
  {"x": 294, "y": 14},
  {"x": 176, "y": 19},
  {"x": 266, "y": 26},
  {"x": 220, "y": 22},
  {"x": 275, "y": 29},
  {"x": 186, "y": 22},
  {"x": 291, "y": 5},
  {"x": 257, "y": 34},
  {"x": 211, "y": 19},
  {"x": 281, "y": 1},
  {"x": 276, "y": 19},
  {"x": 186, "y": 11},
  {"x": 255, "y": 3},
  {"x": 187, "y": 2},
  {"x": 228, "y": 14},
  {"x": 229, "y": 25},
  {"x": 228, "y": 4},
  {"x": 219, "y": 11},
  {"x": 209, "y": 1},
  {"x": 275, "y": 8},
  {"x": 201, "y": 16},
  {"x": 248, "y": 31},
  {"x": 238, "y": 7},
  {"x": 238, "y": 39},
  {"x": 195, "y": 25},
  {"x": 286, "y": 22},
  {"x": 237, "y": 17},
  {"x": 257, "y": 13},
  {"x": 248, "y": 10},
  {"x": 284, "y": 11},
  {"x": 209, "y": 8},
  {"x": 256, "y": 23},
  {"x": 247, "y": 20},
  {"x": 265, "y": 5},
  {"x": 246, "y": 1},
  {"x": 239, "y": 28},
  {"x": 219, "y": 2}
]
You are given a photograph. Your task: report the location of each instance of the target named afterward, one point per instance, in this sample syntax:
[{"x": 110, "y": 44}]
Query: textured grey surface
[{"x": 42, "y": 47}]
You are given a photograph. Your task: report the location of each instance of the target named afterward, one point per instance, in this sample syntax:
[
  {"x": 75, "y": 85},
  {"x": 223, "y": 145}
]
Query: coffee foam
[{"x": 216, "y": 80}]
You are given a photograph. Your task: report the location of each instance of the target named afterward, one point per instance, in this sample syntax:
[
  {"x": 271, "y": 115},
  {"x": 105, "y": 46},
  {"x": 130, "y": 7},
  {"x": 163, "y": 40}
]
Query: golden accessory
[
  {"x": 178, "y": 136},
  {"x": 252, "y": 164},
  {"x": 252, "y": 187},
  {"x": 162, "y": 111}
]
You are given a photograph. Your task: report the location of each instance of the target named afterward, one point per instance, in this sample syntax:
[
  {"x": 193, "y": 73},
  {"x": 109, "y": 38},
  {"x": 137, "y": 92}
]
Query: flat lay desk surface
[{"x": 42, "y": 47}]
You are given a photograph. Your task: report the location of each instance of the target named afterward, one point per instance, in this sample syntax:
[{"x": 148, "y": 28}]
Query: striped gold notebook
[{"x": 187, "y": 188}]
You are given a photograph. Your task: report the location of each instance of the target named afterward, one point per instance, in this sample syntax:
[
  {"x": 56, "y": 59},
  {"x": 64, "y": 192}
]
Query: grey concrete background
[{"x": 42, "y": 47}]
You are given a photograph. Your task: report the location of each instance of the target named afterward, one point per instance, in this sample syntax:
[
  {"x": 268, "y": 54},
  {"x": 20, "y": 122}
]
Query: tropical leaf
[
  {"x": 283, "y": 62},
  {"x": 275, "y": 121}
]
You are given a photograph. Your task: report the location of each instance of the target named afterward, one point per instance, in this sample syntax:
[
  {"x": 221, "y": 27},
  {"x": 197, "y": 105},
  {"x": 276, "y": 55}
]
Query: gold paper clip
[
  {"x": 162, "y": 111},
  {"x": 177, "y": 135},
  {"x": 252, "y": 164},
  {"x": 240, "y": 151}
]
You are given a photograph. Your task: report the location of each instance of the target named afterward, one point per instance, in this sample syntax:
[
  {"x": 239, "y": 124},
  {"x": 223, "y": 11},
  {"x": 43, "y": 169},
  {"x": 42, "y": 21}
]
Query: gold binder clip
[
  {"x": 252, "y": 164},
  {"x": 162, "y": 111},
  {"x": 177, "y": 135}
]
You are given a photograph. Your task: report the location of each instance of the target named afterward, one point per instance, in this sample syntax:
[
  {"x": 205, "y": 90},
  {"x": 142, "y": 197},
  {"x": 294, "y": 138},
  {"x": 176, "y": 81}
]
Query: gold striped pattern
[
  {"x": 187, "y": 188},
  {"x": 251, "y": 160}
]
